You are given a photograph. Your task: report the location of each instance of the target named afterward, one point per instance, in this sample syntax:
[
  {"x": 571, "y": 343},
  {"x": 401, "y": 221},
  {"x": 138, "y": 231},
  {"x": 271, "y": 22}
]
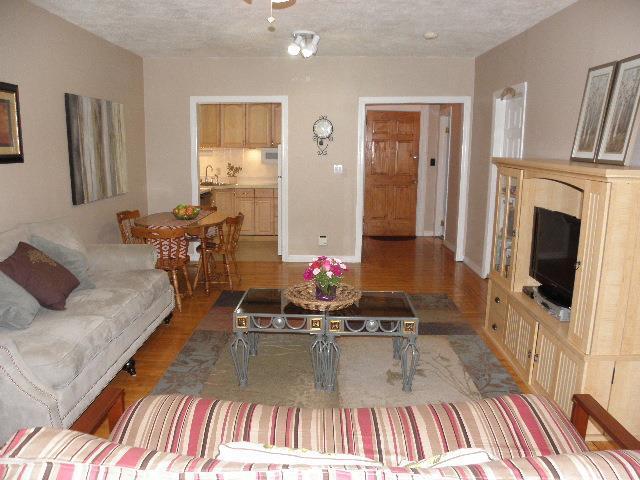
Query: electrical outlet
[
  {"x": 337, "y": 169},
  {"x": 322, "y": 240}
]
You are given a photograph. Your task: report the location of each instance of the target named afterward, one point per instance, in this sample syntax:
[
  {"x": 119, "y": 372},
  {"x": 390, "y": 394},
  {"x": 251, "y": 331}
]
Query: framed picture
[
  {"x": 10, "y": 131},
  {"x": 97, "y": 153},
  {"x": 619, "y": 131},
  {"x": 592, "y": 112}
]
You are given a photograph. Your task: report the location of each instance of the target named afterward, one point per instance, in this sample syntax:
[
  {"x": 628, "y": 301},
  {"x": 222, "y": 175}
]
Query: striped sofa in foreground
[{"x": 177, "y": 437}]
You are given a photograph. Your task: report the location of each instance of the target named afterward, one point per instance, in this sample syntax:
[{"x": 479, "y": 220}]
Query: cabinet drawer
[
  {"x": 264, "y": 192},
  {"x": 498, "y": 300},
  {"x": 496, "y": 324},
  {"x": 245, "y": 192}
]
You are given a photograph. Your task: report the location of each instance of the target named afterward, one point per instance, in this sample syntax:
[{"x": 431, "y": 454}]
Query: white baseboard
[
  {"x": 473, "y": 266},
  {"x": 428, "y": 233},
  {"x": 449, "y": 245},
  {"x": 311, "y": 258}
]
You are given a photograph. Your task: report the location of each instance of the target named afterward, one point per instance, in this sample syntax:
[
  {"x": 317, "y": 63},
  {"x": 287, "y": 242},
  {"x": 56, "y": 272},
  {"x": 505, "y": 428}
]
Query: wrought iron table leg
[
  {"x": 397, "y": 345},
  {"x": 253, "y": 343},
  {"x": 317, "y": 360},
  {"x": 410, "y": 356},
  {"x": 240, "y": 356},
  {"x": 331, "y": 354}
]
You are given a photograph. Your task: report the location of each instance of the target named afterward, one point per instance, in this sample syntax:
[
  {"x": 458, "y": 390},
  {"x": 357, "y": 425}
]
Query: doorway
[
  {"x": 403, "y": 180},
  {"x": 239, "y": 164}
]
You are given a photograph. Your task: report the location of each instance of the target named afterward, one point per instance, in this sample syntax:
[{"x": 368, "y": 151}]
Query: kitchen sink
[{"x": 212, "y": 184}]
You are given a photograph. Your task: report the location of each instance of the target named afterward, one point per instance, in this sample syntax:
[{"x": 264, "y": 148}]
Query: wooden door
[
  {"x": 258, "y": 125},
  {"x": 232, "y": 120},
  {"x": 276, "y": 124},
  {"x": 208, "y": 125},
  {"x": 391, "y": 173}
]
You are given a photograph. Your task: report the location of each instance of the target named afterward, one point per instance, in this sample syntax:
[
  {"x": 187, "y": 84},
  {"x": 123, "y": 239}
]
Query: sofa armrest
[
  {"x": 25, "y": 400},
  {"x": 586, "y": 407},
  {"x": 121, "y": 258}
]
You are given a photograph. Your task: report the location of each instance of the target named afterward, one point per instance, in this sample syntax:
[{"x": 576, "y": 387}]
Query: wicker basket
[{"x": 304, "y": 295}]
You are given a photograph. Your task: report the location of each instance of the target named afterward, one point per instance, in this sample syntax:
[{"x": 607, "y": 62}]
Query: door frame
[
  {"x": 283, "y": 163},
  {"x": 442, "y": 179},
  {"x": 464, "y": 162},
  {"x": 493, "y": 174}
]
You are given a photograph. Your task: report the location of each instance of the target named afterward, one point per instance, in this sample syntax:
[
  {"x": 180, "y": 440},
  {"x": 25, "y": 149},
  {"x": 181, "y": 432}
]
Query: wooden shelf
[{"x": 592, "y": 170}]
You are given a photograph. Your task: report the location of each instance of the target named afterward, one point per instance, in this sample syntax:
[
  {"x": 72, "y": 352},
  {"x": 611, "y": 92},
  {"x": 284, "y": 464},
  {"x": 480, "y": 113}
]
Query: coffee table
[{"x": 377, "y": 314}]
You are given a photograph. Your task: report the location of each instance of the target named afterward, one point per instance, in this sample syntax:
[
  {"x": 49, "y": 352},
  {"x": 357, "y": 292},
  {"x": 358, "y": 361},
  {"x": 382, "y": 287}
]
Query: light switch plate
[
  {"x": 337, "y": 169},
  {"x": 322, "y": 240}
]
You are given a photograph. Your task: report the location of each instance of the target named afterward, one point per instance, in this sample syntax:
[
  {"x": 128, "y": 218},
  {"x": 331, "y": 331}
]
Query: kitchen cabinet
[
  {"x": 258, "y": 120},
  {"x": 224, "y": 200},
  {"x": 246, "y": 206},
  {"x": 276, "y": 124},
  {"x": 208, "y": 125},
  {"x": 258, "y": 205},
  {"x": 239, "y": 125},
  {"x": 232, "y": 120}
]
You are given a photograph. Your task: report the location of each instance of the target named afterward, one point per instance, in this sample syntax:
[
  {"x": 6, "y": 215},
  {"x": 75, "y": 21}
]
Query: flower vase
[{"x": 327, "y": 294}]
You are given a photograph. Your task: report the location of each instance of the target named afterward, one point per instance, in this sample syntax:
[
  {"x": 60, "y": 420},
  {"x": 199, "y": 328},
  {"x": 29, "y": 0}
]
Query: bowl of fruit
[{"x": 186, "y": 212}]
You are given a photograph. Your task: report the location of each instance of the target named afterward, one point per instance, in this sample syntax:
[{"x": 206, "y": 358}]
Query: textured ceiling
[{"x": 238, "y": 28}]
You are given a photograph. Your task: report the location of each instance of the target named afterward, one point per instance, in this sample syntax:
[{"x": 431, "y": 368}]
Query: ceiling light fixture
[
  {"x": 430, "y": 35},
  {"x": 305, "y": 43},
  {"x": 271, "y": 18}
]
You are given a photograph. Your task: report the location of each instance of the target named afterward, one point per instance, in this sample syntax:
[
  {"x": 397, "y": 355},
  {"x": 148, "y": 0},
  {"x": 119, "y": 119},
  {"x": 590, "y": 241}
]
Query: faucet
[
  {"x": 217, "y": 179},
  {"x": 206, "y": 173}
]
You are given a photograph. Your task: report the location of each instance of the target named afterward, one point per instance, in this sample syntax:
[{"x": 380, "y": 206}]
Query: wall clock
[{"x": 322, "y": 133}]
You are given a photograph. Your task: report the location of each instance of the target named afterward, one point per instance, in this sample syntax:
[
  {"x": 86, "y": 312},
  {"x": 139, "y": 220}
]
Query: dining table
[{"x": 197, "y": 227}]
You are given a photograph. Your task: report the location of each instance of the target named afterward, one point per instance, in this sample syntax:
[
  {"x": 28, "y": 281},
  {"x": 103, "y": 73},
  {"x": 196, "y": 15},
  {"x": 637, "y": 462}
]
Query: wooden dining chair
[
  {"x": 225, "y": 243},
  {"x": 126, "y": 220},
  {"x": 172, "y": 247}
]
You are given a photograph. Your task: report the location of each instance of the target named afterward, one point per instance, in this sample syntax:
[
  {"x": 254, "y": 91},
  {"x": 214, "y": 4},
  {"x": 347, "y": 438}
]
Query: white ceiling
[{"x": 238, "y": 28}]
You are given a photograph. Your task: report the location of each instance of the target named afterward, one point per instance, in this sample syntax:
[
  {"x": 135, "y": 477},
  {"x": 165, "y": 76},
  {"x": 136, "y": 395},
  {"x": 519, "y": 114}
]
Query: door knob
[{"x": 415, "y": 157}]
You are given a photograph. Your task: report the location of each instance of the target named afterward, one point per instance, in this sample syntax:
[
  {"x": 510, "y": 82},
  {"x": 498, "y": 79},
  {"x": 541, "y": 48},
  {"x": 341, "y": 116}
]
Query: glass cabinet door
[{"x": 505, "y": 221}]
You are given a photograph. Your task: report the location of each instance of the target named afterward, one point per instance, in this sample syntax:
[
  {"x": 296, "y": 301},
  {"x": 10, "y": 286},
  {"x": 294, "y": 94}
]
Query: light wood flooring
[{"x": 423, "y": 265}]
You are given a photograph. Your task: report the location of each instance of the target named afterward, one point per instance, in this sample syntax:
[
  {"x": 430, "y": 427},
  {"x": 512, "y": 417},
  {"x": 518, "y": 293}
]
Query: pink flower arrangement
[{"x": 325, "y": 272}]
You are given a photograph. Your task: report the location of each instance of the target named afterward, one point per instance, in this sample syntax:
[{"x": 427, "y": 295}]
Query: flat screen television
[{"x": 554, "y": 253}]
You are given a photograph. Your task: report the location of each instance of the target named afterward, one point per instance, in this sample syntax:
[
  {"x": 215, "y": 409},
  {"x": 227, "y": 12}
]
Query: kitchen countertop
[{"x": 208, "y": 188}]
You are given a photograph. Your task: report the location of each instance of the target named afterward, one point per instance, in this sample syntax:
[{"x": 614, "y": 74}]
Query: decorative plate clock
[{"x": 322, "y": 133}]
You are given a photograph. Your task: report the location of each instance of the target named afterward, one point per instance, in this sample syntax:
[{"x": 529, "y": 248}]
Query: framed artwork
[
  {"x": 97, "y": 154},
  {"x": 10, "y": 130},
  {"x": 621, "y": 115},
  {"x": 592, "y": 112}
]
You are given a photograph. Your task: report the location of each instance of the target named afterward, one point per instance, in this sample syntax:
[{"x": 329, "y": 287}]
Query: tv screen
[{"x": 554, "y": 253}]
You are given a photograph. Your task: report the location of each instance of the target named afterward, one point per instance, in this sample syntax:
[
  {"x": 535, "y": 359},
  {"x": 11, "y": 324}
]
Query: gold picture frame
[{"x": 10, "y": 129}]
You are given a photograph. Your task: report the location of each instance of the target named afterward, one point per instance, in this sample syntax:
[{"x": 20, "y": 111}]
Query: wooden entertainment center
[{"x": 598, "y": 350}]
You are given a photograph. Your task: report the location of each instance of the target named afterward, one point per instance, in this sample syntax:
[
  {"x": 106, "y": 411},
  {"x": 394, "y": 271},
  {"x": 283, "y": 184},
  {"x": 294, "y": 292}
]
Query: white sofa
[{"x": 52, "y": 370}]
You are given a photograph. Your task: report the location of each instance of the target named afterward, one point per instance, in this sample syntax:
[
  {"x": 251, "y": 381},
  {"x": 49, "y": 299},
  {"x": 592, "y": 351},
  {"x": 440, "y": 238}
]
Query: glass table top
[{"x": 271, "y": 301}]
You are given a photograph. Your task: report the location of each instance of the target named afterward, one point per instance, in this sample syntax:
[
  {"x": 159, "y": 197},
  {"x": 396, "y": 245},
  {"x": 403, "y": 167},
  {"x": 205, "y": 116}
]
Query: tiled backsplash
[{"x": 251, "y": 161}]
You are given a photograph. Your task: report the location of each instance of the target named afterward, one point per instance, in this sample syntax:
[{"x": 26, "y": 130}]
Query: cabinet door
[
  {"x": 276, "y": 124},
  {"x": 258, "y": 125},
  {"x": 545, "y": 362},
  {"x": 224, "y": 201},
  {"x": 264, "y": 216},
  {"x": 569, "y": 380},
  {"x": 496, "y": 313},
  {"x": 519, "y": 340},
  {"x": 506, "y": 223},
  {"x": 232, "y": 120},
  {"x": 208, "y": 125},
  {"x": 591, "y": 244},
  {"x": 245, "y": 205}
]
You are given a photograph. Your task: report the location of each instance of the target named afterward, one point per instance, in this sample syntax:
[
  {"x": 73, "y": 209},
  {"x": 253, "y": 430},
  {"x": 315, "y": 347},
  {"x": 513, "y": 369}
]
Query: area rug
[{"x": 455, "y": 364}]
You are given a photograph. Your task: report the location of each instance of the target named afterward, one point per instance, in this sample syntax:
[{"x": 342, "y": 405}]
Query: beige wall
[
  {"x": 319, "y": 201},
  {"x": 553, "y": 57},
  {"x": 48, "y": 57}
]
